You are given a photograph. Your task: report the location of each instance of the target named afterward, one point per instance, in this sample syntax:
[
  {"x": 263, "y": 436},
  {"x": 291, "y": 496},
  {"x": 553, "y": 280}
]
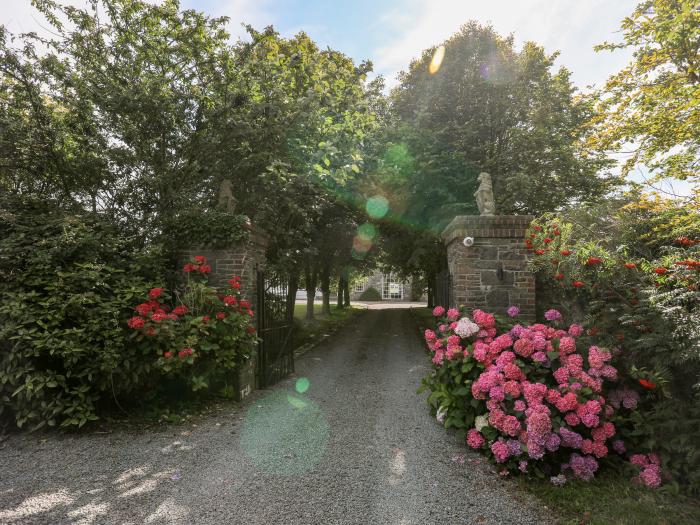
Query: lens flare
[
  {"x": 377, "y": 206},
  {"x": 284, "y": 434},
  {"x": 302, "y": 385},
  {"x": 436, "y": 62},
  {"x": 367, "y": 231}
]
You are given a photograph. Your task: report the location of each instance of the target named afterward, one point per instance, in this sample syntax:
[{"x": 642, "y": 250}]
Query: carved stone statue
[
  {"x": 226, "y": 199},
  {"x": 484, "y": 195}
]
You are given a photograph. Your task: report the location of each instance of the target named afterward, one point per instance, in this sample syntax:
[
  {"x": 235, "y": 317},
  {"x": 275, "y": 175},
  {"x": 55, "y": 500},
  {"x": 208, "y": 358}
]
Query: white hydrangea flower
[
  {"x": 481, "y": 422},
  {"x": 440, "y": 416},
  {"x": 466, "y": 327}
]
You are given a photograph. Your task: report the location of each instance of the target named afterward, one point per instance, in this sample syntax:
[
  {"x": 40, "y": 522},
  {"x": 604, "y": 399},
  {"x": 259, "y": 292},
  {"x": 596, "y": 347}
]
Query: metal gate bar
[{"x": 275, "y": 327}]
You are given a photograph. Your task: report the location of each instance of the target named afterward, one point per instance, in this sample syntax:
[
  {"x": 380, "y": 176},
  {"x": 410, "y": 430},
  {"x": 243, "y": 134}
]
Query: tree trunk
[
  {"x": 311, "y": 277},
  {"x": 340, "y": 292},
  {"x": 292, "y": 295},
  {"x": 346, "y": 290},
  {"x": 326, "y": 290},
  {"x": 431, "y": 300}
]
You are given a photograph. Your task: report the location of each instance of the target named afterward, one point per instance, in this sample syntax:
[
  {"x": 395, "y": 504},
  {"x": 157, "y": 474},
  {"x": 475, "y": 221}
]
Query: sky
[{"x": 391, "y": 33}]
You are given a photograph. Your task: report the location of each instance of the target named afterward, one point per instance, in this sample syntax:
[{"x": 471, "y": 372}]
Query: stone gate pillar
[{"x": 492, "y": 273}]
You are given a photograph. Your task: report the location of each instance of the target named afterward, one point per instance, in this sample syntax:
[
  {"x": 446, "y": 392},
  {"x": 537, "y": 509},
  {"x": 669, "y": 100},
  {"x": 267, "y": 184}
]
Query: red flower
[
  {"x": 151, "y": 331},
  {"x": 559, "y": 276},
  {"x": 200, "y": 259},
  {"x": 136, "y": 323},
  {"x": 630, "y": 266},
  {"x": 245, "y": 304},
  {"x": 594, "y": 260},
  {"x": 537, "y": 228},
  {"x": 185, "y": 352},
  {"x": 647, "y": 384},
  {"x": 547, "y": 240},
  {"x": 155, "y": 292},
  {"x": 578, "y": 284},
  {"x": 189, "y": 267},
  {"x": 557, "y": 232},
  {"x": 251, "y": 329},
  {"x": 180, "y": 310},
  {"x": 220, "y": 316},
  {"x": 168, "y": 355},
  {"x": 660, "y": 270},
  {"x": 143, "y": 309},
  {"x": 532, "y": 236},
  {"x": 159, "y": 316},
  {"x": 234, "y": 283},
  {"x": 565, "y": 253},
  {"x": 539, "y": 252},
  {"x": 206, "y": 319},
  {"x": 250, "y": 312},
  {"x": 205, "y": 268},
  {"x": 229, "y": 300}
]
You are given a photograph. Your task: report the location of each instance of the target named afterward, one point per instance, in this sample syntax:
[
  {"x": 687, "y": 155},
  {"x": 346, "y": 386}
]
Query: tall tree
[
  {"x": 492, "y": 108},
  {"x": 651, "y": 108}
]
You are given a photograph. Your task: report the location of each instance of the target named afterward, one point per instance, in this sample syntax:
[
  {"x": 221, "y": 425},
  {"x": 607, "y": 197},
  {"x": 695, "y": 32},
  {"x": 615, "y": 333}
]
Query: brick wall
[
  {"x": 491, "y": 274},
  {"x": 239, "y": 259}
]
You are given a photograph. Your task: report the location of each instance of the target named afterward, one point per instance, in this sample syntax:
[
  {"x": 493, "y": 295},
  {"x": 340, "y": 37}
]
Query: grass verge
[
  {"x": 321, "y": 326},
  {"x": 611, "y": 498}
]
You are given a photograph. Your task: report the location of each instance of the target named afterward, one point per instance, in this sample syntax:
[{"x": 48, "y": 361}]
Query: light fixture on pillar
[{"x": 468, "y": 241}]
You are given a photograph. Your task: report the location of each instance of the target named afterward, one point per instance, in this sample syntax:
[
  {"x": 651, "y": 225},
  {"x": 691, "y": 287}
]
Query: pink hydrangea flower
[
  {"x": 438, "y": 311},
  {"x": 567, "y": 345},
  {"x": 500, "y": 451},
  {"x": 552, "y": 315},
  {"x": 576, "y": 330},
  {"x": 475, "y": 439},
  {"x": 513, "y": 311},
  {"x": 452, "y": 314}
]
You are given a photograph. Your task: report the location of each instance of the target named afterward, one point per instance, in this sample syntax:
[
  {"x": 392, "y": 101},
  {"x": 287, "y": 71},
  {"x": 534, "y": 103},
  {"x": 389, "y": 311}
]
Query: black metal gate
[
  {"x": 442, "y": 289},
  {"x": 275, "y": 326}
]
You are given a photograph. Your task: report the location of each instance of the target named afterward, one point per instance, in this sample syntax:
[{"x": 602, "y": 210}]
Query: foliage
[
  {"x": 67, "y": 282},
  {"x": 202, "y": 338},
  {"x": 207, "y": 228},
  {"x": 539, "y": 399},
  {"x": 637, "y": 287},
  {"x": 651, "y": 107},
  {"x": 371, "y": 294},
  {"x": 492, "y": 108}
]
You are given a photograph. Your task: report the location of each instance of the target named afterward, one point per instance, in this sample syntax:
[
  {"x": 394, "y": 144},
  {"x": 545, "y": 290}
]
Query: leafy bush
[
  {"x": 539, "y": 399},
  {"x": 199, "y": 336},
  {"x": 370, "y": 294},
  {"x": 67, "y": 282},
  {"x": 207, "y": 228},
  {"x": 642, "y": 298}
]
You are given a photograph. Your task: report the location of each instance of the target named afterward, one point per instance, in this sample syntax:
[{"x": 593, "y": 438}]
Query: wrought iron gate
[
  {"x": 275, "y": 326},
  {"x": 442, "y": 289}
]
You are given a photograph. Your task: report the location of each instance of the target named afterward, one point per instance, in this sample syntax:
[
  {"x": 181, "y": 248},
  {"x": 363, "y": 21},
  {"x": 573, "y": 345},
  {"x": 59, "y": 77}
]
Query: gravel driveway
[{"x": 346, "y": 440}]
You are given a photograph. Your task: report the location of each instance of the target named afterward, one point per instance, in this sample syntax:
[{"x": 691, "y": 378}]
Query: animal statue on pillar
[
  {"x": 484, "y": 195},
  {"x": 226, "y": 199}
]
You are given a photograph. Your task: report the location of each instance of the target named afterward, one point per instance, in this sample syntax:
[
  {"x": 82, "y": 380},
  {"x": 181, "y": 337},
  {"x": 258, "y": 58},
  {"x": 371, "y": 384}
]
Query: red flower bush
[{"x": 209, "y": 333}]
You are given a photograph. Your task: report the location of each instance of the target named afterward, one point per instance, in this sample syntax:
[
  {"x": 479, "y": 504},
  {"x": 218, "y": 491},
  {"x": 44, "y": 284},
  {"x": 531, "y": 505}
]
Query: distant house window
[
  {"x": 361, "y": 285},
  {"x": 391, "y": 287}
]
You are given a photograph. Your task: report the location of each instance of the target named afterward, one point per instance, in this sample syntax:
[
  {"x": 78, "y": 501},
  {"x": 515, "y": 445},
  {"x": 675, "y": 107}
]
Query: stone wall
[{"x": 491, "y": 274}]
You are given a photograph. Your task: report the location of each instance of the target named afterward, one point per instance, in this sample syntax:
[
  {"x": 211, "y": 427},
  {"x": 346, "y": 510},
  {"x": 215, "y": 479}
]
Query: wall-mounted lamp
[{"x": 468, "y": 241}]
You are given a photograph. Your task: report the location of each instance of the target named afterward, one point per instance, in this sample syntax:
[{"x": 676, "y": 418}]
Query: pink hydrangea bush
[{"x": 538, "y": 398}]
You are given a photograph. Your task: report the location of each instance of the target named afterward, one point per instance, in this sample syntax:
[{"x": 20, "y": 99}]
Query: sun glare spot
[
  {"x": 377, "y": 206},
  {"x": 436, "y": 62}
]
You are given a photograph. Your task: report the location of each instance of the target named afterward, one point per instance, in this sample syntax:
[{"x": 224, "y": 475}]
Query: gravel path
[{"x": 346, "y": 440}]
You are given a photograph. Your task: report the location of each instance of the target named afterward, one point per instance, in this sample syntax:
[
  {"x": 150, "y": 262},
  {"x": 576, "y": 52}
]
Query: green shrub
[
  {"x": 67, "y": 283},
  {"x": 370, "y": 294}
]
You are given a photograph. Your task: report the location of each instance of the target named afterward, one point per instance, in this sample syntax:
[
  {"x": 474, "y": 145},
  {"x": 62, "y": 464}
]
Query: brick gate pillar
[
  {"x": 492, "y": 273},
  {"x": 242, "y": 258}
]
